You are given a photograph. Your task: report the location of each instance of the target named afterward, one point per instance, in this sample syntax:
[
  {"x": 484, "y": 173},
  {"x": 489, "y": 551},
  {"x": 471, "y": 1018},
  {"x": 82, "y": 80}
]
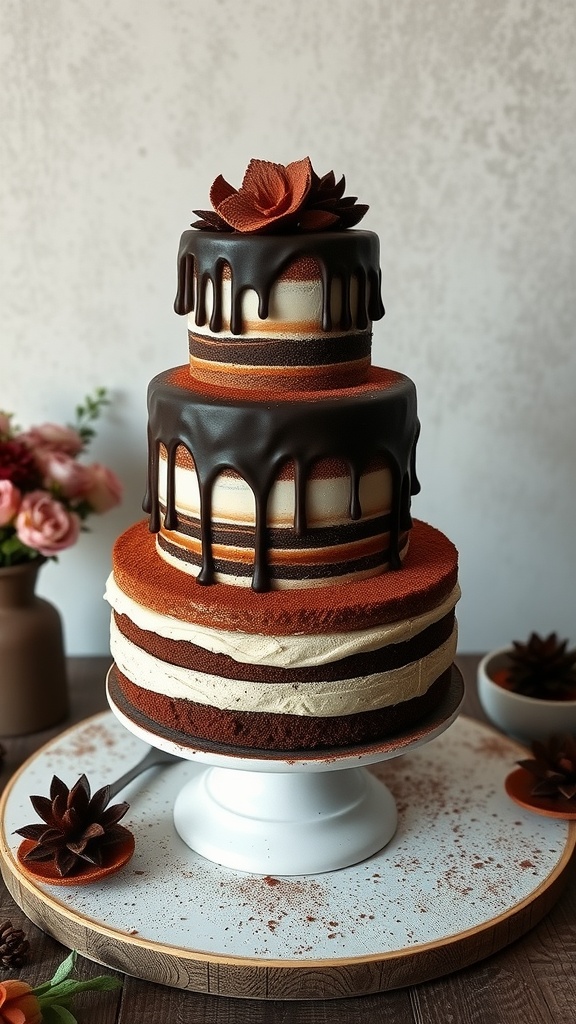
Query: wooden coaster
[{"x": 467, "y": 872}]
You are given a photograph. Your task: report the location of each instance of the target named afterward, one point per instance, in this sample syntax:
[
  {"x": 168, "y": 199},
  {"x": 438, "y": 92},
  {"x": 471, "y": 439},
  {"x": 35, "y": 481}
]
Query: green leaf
[
  {"x": 61, "y": 990},
  {"x": 65, "y": 969},
  {"x": 12, "y": 550},
  {"x": 58, "y": 1015},
  {"x": 89, "y": 411},
  {"x": 103, "y": 983}
]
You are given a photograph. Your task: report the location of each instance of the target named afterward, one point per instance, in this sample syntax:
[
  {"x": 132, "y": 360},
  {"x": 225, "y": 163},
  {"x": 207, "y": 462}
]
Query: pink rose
[
  {"x": 10, "y": 498},
  {"x": 45, "y": 525},
  {"x": 103, "y": 489},
  {"x": 55, "y": 437},
  {"x": 60, "y": 470}
]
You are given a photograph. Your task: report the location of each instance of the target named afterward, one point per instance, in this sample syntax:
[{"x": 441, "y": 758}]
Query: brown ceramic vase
[{"x": 33, "y": 684}]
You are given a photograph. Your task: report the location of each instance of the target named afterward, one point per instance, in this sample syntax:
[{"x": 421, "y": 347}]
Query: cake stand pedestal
[
  {"x": 287, "y": 824},
  {"x": 289, "y": 815}
]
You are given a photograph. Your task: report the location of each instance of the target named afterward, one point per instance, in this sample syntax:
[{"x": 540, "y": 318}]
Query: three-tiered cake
[{"x": 280, "y": 596}]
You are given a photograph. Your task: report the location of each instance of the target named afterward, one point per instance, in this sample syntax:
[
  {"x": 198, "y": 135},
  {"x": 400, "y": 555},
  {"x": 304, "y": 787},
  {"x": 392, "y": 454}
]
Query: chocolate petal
[
  {"x": 65, "y": 862},
  {"x": 45, "y": 850},
  {"x": 210, "y": 221},
  {"x": 317, "y": 220},
  {"x": 43, "y": 806},
  {"x": 79, "y": 796},
  {"x": 339, "y": 189},
  {"x": 220, "y": 191},
  {"x": 350, "y": 217},
  {"x": 34, "y": 832},
  {"x": 113, "y": 814},
  {"x": 58, "y": 788},
  {"x": 99, "y": 802},
  {"x": 327, "y": 181},
  {"x": 78, "y": 846}
]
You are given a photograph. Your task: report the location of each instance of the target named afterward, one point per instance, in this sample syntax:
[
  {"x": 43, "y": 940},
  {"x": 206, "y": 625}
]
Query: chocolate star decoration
[
  {"x": 76, "y": 826},
  {"x": 553, "y": 767}
]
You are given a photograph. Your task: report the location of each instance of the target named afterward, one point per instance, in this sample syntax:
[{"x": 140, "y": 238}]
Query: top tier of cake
[{"x": 278, "y": 313}]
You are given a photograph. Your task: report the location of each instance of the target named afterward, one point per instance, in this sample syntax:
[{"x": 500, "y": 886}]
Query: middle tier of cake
[{"x": 281, "y": 494}]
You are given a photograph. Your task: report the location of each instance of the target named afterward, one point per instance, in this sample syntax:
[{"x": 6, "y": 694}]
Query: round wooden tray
[{"x": 466, "y": 873}]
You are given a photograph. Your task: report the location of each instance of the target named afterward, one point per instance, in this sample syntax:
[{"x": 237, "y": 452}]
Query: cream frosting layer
[
  {"x": 298, "y": 651},
  {"x": 295, "y": 310},
  {"x": 327, "y": 498},
  {"x": 316, "y": 700}
]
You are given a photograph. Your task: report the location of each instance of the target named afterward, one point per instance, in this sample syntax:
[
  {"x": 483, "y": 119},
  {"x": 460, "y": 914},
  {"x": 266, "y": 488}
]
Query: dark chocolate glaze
[
  {"x": 256, "y": 438},
  {"x": 256, "y": 262}
]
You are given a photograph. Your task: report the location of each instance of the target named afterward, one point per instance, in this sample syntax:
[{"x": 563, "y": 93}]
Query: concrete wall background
[{"x": 454, "y": 120}]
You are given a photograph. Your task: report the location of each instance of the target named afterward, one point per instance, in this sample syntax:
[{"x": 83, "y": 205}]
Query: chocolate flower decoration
[
  {"x": 270, "y": 194},
  {"x": 77, "y": 826},
  {"x": 553, "y": 766},
  {"x": 543, "y": 667},
  {"x": 274, "y": 197}
]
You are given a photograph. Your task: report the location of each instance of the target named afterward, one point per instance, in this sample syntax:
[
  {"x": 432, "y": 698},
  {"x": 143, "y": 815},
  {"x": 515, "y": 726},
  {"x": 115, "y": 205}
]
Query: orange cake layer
[
  {"x": 378, "y": 378},
  {"x": 429, "y": 573}
]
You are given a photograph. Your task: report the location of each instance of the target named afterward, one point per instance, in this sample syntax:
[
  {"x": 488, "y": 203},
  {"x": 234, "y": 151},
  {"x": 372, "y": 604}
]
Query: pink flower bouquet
[{"x": 46, "y": 493}]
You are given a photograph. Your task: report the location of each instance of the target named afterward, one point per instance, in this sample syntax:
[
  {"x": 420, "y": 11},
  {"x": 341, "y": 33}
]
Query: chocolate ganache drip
[
  {"x": 255, "y": 439},
  {"x": 340, "y": 255}
]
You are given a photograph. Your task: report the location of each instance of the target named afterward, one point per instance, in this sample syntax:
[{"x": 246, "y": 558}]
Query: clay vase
[{"x": 33, "y": 684}]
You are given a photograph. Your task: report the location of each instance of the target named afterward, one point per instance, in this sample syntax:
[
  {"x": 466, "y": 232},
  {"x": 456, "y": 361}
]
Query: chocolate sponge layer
[{"x": 184, "y": 721}]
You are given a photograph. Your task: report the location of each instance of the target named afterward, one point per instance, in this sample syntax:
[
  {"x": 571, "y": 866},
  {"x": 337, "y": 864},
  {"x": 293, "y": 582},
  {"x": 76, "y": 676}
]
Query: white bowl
[{"x": 523, "y": 718}]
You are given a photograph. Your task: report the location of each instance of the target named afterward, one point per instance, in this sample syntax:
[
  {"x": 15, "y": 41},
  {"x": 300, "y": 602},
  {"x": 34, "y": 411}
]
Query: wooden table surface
[{"x": 533, "y": 981}]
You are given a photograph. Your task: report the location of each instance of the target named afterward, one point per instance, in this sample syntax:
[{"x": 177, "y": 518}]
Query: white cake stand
[{"x": 274, "y": 814}]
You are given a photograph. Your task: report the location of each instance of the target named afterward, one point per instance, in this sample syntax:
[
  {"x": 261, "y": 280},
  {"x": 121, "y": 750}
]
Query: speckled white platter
[{"x": 466, "y": 873}]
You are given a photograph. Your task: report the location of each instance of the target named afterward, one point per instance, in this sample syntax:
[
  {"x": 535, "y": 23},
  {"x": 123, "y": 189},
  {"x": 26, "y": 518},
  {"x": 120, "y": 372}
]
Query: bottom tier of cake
[{"x": 282, "y": 671}]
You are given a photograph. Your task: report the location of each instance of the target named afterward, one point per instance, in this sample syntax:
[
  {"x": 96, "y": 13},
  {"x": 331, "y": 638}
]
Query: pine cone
[
  {"x": 554, "y": 767},
  {"x": 77, "y": 826},
  {"x": 14, "y": 946},
  {"x": 543, "y": 668}
]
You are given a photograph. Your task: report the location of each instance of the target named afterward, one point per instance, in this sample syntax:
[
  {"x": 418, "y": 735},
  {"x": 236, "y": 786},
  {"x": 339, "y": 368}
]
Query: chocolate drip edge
[
  {"x": 257, "y": 261},
  {"x": 255, "y": 439}
]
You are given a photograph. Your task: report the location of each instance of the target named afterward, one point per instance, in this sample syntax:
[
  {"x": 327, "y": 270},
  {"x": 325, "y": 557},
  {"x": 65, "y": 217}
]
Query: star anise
[
  {"x": 543, "y": 667},
  {"x": 553, "y": 766},
  {"x": 77, "y": 826}
]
